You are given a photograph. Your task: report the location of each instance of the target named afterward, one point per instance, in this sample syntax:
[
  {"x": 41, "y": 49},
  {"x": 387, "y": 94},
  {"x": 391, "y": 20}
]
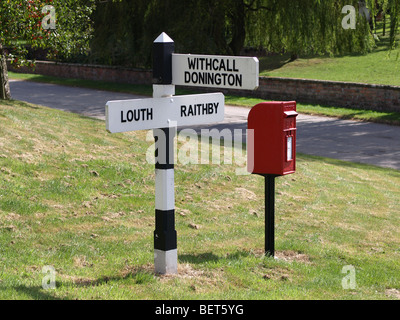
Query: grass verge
[
  {"x": 380, "y": 66},
  {"x": 77, "y": 198},
  {"x": 385, "y": 117}
]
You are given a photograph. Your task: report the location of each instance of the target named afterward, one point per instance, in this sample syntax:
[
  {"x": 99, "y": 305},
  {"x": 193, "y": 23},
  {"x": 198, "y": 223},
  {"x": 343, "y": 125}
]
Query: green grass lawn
[
  {"x": 77, "y": 198},
  {"x": 381, "y": 66},
  {"x": 377, "y": 67}
]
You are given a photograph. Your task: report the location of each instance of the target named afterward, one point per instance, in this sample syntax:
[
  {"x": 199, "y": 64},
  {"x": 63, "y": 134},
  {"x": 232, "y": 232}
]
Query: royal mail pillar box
[
  {"x": 272, "y": 138},
  {"x": 271, "y": 152}
]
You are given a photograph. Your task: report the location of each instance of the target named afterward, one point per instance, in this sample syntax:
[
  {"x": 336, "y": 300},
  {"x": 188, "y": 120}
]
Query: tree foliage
[
  {"x": 306, "y": 27},
  {"x": 124, "y": 31},
  {"x": 121, "y": 32},
  {"x": 23, "y": 25}
]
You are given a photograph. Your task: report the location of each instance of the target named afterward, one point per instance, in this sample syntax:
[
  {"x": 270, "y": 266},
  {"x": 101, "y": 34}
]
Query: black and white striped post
[{"x": 165, "y": 238}]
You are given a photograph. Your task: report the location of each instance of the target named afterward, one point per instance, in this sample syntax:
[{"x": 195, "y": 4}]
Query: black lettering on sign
[
  {"x": 213, "y": 71},
  {"x": 137, "y": 115},
  {"x": 212, "y": 64},
  {"x": 192, "y": 63},
  {"x": 200, "y": 109},
  {"x": 234, "y": 66},
  {"x": 215, "y": 64},
  {"x": 208, "y": 78},
  {"x": 129, "y": 116},
  {"x": 222, "y": 65},
  {"x": 183, "y": 111}
]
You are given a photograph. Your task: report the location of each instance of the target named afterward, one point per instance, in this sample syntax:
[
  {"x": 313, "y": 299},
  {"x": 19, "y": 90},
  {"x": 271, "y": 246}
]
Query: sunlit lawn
[{"x": 77, "y": 198}]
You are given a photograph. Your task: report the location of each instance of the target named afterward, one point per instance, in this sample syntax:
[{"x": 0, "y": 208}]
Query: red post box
[{"x": 272, "y": 143}]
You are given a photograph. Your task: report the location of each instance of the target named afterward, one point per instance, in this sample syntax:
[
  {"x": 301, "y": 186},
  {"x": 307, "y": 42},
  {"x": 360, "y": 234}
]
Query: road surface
[{"x": 354, "y": 141}]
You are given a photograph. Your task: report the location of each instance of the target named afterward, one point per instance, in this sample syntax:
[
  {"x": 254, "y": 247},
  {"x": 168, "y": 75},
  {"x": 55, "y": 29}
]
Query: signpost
[{"x": 165, "y": 111}]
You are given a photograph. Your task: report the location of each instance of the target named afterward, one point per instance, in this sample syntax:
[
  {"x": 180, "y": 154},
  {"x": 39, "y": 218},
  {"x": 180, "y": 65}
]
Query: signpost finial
[{"x": 163, "y": 38}]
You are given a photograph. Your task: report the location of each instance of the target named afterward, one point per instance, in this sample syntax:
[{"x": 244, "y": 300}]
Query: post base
[{"x": 166, "y": 262}]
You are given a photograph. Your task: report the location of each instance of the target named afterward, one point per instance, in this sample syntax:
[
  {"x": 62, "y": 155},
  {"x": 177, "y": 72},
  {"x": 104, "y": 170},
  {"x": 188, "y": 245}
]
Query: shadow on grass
[
  {"x": 199, "y": 258},
  {"x": 137, "y": 274},
  {"x": 273, "y": 62},
  {"x": 37, "y": 293},
  {"x": 211, "y": 257}
]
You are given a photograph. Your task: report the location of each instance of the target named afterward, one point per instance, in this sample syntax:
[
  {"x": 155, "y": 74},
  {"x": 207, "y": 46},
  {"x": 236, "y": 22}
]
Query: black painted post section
[{"x": 162, "y": 61}]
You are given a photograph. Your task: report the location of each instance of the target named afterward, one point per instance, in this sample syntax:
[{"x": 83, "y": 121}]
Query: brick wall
[
  {"x": 330, "y": 93},
  {"x": 89, "y": 72}
]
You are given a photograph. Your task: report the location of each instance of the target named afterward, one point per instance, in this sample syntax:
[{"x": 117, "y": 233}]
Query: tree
[
  {"x": 393, "y": 8},
  {"x": 118, "y": 33},
  {"x": 227, "y": 26},
  {"x": 61, "y": 26},
  {"x": 121, "y": 32},
  {"x": 305, "y": 27}
]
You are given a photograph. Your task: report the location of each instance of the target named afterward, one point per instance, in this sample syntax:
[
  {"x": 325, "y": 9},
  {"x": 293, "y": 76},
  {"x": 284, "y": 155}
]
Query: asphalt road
[{"x": 353, "y": 141}]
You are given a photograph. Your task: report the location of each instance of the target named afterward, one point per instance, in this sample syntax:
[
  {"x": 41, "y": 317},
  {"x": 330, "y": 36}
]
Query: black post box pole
[{"x": 270, "y": 215}]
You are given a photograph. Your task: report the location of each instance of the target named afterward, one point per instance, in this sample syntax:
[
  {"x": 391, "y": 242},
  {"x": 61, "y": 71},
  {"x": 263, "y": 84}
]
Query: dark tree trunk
[
  {"x": 384, "y": 25},
  {"x": 294, "y": 56},
  {"x": 238, "y": 27},
  {"x": 5, "y": 93}
]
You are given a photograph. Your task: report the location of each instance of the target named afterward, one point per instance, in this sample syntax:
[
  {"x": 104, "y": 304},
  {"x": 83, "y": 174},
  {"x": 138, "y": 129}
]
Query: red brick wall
[
  {"x": 90, "y": 72},
  {"x": 330, "y": 93}
]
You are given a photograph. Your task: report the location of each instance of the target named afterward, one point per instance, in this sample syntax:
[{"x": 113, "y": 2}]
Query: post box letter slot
[
  {"x": 290, "y": 120},
  {"x": 290, "y": 114}
]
